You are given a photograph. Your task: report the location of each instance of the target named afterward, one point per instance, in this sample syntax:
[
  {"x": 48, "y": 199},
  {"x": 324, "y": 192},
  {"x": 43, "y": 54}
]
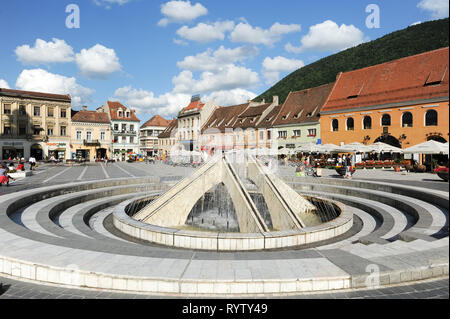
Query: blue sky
[{"x": 153, "y": 55}]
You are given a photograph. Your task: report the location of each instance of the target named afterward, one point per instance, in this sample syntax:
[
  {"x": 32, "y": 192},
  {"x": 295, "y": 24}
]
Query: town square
[{"x": 299, "y": 158}]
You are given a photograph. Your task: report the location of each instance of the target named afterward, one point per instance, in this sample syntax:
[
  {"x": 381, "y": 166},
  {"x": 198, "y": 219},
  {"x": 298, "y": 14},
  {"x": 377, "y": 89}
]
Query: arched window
[
  {"x": 386, "y": 120},
  {"x": 367, "y": 123},
  {"x": 350, "y": 124},
  {"x": 407, "y": 119},
  {"x": 335, "y": 125},
  {"x": 431, "y": 118}
]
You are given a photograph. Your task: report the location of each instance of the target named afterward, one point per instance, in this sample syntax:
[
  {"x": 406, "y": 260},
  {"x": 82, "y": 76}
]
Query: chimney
[
  {"x": 84, "y": 108},
  {"x": 275, "y": 100}
]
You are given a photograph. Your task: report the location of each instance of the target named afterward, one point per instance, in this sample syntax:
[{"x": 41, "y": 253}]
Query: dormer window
[
  {"x": 127, "y": 114},
  {"x": 286, "y": 116},
  {"x": 120, "y": 114},
  {"x": 296, "y": 116}
]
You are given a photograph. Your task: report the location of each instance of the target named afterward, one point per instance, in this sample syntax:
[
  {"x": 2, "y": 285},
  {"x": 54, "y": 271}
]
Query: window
[
  {"x": 269, "y": 134},
  {"x": 261, "y": 135},
  {"x": 7, "y": 109},
  {"x": 78, "y": 135},
  {"x": 120, "y": 113},
  {"x": 116, "y": 127},
  {"x": 22, "y": 110},
  {"x": 63, "y": 131},
  {"x": 36, "y": 130},
  {"x": 116, "y": 139},
  {"x": 89, "y": 136},
  {"x": 131, "y": 139},
  {"x": 7, "y": 129},
  {"x": 131, "y": 128},
  {"x": 407, "y": 119},
  {"x": 367, "y": 123},
  {"x": 282, "y": 134},
  {"x": 50, "y": 111},
  {"x": 124, "y": 127},
  {"x": 50, "y": 131},
  {"x": 22, "y": 128},
  {"x": 350, "y": 124},
  {"x": 37, "y": 111},
  {"x": 102, "y": 136},
  {"x": 63, "y": 113},
  {"x": 386, "y": 120},
  {"x": 312, "y": 132},
  {"x": 127, "y": 114},
  {"x": 297, "y": 133},
  {"x": 431, "y": 118},
  {"x": 335, "y": 125}
]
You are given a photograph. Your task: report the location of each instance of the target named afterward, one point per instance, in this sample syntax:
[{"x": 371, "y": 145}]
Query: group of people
[{"x": 4, "y": 173}]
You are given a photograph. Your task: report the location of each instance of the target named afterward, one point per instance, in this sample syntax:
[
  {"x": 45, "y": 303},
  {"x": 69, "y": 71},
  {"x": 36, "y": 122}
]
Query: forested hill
[{"x": 413, "y": 40}]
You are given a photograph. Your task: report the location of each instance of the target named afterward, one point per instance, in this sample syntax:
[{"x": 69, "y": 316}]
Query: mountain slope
[{"x": 410, "y": 41}]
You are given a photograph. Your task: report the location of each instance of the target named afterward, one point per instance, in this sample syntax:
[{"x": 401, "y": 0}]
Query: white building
[{"x": 125, "y": 128}]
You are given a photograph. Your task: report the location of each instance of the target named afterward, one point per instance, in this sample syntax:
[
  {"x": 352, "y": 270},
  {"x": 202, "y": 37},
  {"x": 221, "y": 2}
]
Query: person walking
[
  {"x": 348, "y": 167},
  {"x": 32, "y": 162}
]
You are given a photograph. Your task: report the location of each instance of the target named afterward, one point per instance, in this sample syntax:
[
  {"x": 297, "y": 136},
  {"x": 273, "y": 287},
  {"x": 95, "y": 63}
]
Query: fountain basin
[{"x": 231, "y": 241}]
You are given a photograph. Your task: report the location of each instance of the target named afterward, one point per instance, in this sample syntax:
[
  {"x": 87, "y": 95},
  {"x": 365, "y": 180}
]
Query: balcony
[
  {"x": 91, "y": 143},
  {"x": 124, "y": 132}
]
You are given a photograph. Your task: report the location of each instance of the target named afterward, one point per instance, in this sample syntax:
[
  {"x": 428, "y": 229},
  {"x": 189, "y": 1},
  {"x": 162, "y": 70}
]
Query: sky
[{"x": 153, "y": 55}]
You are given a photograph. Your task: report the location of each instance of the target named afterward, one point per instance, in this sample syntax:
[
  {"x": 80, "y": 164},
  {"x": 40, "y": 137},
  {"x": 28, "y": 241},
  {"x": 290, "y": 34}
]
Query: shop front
[
  {"x": 57, "y": 150},
  {"x": 36, "y": 152},
  {"x": 11, "y": 150}
]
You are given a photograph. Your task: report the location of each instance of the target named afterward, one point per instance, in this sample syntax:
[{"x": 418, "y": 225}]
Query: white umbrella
[
  {"x": 429, "y": 147},
  {"x": 354, "y": 147},
  {"x": 328, "y": 148},
  {"x": 380, "y": 147},
  {"x": 309, "y": 148}
]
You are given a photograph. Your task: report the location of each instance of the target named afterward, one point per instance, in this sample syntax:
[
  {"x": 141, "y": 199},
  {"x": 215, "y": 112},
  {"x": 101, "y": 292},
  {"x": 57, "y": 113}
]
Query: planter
[
  {"x": 397, "y": 168},
  {"x": 21, "y": 174},
  {"x": 420, "y": 168}
]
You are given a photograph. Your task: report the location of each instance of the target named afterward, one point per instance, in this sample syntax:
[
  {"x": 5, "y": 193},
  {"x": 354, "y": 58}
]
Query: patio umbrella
[
  {"x": 429, "y": 147},
  {"x": 329, "y": 148},
  {"x": 309, "y": 148},
  {"x": 380, "y": 147},
  {"x": 354, "y": 147}
]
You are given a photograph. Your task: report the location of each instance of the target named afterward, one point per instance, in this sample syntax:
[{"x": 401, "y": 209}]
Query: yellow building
[
  {"x": 90, "y": 135},
  {"x": 34, "y": 124}
]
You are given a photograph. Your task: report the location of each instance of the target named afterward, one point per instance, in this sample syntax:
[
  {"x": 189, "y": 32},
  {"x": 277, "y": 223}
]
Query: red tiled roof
[
  {"x": 196, "y": 105},
  {"x": 91, "y": 117},
  {"x": 251, "y": 116},
  {"x": 303, "y": 106},
  {"x": 418, "y": 77},
  {"x": 30, "y": 94},
  {"x": 170, "y": 127},
  {"x": 156, "y": 120},
  {"x": 267, "y": 121},
  {"x": 115, "y": 106}
]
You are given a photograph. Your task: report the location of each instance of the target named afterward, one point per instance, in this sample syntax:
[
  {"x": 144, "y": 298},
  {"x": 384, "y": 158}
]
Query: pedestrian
[
  {"x": 32, "y": 162},
  {"x": 348, "y": 167}
]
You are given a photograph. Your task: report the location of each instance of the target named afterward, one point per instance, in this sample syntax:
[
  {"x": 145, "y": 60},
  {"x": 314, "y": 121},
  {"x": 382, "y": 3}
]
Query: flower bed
[{"x": 442, "y": 172}]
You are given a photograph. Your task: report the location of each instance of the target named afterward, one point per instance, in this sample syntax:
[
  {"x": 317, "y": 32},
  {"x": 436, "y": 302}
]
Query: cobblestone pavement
[
  {"x": 435, "y": 289},
  {"x": 47, "y": 174}
]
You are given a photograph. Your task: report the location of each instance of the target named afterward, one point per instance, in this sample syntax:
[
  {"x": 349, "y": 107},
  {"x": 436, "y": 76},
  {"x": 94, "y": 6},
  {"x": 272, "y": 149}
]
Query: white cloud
[
  {"x": 55, "y": 51},
  {"x": 179, "y": 42},
  {"x": 231, "y": 97},
  {"x": 206, "y": 32},
  {"x": 4, "y": 84},
  {"x": 273, "y": 67},
  {"x": 244, "y": 32},
  {"x": 437, "y": 8},
  {"x": 97, "y": 62},
  {"x": 329, "y": 36},
  {"x": 42, "y": 81},
  {"x": 227, "y": 78},
  {"x": 168, "y": 104},
  {"x": 180, "y": 12},
  {"x": 292, "y": 49},
  {"x": 215, "y": 60}
]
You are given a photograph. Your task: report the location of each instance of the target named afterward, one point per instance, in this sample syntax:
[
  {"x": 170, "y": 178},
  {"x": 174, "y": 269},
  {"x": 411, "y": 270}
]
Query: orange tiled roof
[
  {"x": 115, "y": 106},
  {"x": 91, "y": 117},
  {"x": 418, "y": 77},
  {"x": 224, "y": 117},
  {"x": 156, "y": 120}
]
